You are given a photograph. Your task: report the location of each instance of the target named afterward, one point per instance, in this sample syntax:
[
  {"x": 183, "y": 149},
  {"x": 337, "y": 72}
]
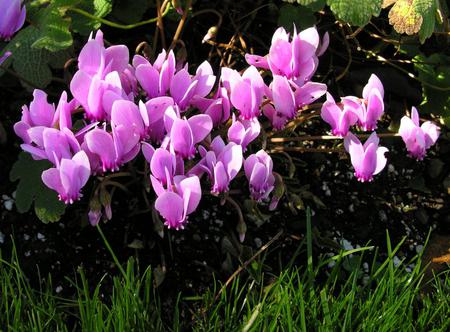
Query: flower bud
[
  {"x": 95, "y": 211},
  {"x": 105, "y": 200},
  {"x": 278, "y": 191},
  {"x": 158, "y": 225},
  {"x": 241, "y": 228}
]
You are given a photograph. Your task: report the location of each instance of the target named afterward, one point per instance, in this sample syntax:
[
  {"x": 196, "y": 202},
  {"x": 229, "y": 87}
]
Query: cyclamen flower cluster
[
  {"x": 142, "y": 107},
  {"x": 369, "y": 159}
]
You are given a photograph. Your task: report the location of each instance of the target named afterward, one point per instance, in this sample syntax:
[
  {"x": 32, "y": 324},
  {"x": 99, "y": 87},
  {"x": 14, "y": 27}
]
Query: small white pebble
[
  {"x": 391, "y": 168},
  {"x": 41, "y": 237},
  {"x": 346, "y": 244},
  {"x": 218, "y": 222},
  {"x": 2, "y": 238},
  {"x": 396, "y": 261},
  {"x": 339, "y": 211},
  {"x": 382, "y": 215},
  {"x": 328, "y": 193},
  {"x": 419, "y": 249},
  {"x": 8, "y": 204},
  {"x": 26, "y": 237},
  {"x": 27, "y": 253},
  {"x": 58, "y": 289},
  {"x": 351, "y": 208},
  {"x": 365, "y": 267}
]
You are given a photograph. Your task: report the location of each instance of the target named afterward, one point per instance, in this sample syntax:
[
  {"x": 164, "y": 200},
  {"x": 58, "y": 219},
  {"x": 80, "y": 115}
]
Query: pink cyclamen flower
[
  {"x": 109, "y": 151},
  {"x": 69, "y": 176},
  {"x": 368, "y": 159},
  {"x": 243, "y": 132},
  {"x": 12, "y": 17},
  {"x": 246, "y": 91},
  {"x": 294, "y": 58},
  {"x": 222, "y": 163},
  {"x": 371, "y": 107},
  {"x": 258, "y": 170},
  {"x": 340, "y": 119},
  {"x": 181, "y": 200},
  {"x": 186, "y": 133},
  {"x": 155, "y": 78},
  {"x": 218, "y": 107},
  {"x": 164, "y": 166},
  {"x": 418, "y": 139},
  {"x": 98, "y": 82}
]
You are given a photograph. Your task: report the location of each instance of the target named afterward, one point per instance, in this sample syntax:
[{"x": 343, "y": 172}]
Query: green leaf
[
  {"x": 435, "y": 70},
  {"x": 30, "y": 63},
  {"x": 130, "y": 11},
  {"x": 314, "y": 5},
  {"x": 85, "y": 25},
  {"x": 355, "y": 12},
  {"x": 427, "y": 9},
  {"x": 301, "y": 16},
  {"x": 54, "y": 26},
  {"x": 31, "y": 188}
]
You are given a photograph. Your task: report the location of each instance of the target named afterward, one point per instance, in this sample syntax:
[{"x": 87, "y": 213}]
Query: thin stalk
[
  {"x": 324, "y": 137},
  {"x": 118, "y": 25},
  {"x": 181, "y": 24},
  {"x": 112, "y": 252}
]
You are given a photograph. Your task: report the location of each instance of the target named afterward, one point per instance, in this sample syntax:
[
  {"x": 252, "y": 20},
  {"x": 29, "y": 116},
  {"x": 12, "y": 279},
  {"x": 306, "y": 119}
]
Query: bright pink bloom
[
  {"x": 243, "y": 132},
  {"x": 12, "y": 17},
  {"x": 294, "y": 58},
  {"x": 97, "y": 83},
  {"x": 368, "y": 159},
  {"x": 179, "y": 201},
  {"x": 246, "y": 92},
  {"x": 371, "y": 107},
  {"x": 340, "y": 119},
  {"x": 221, "y": 163},
  {"x": 69, "y": 176},
  {"x": 258, "y": 170},
  {"x": 418, "y": 139},
  {"x": 218, "y": 108},
  {"x": 186, "y": 133}
]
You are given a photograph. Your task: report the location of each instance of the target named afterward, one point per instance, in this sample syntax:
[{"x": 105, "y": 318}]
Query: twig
[
  {"x": 246, "y": 263},
  {"x": 181, "y": 24},
  {"x": 324, "y": 137},
  {"x": 281, "y": 149},
  {"x": 117, "y": 25}
]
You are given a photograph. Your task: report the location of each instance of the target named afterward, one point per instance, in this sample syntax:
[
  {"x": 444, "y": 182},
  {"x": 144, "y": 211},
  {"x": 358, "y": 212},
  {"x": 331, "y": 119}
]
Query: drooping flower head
[
  {"x": 258, "y": 170},
  {"x": 371, "y": 107},
  {"x": 222, "y": 163},
  {"x": 368, "y": 159},
  {"x": 418, "y": 139},
  {"x": 340, "y": 119},
  {"x": 69, "y": 176},
  {"x": 295, "y": 58},
  {"x": 246, "y": 92},
  {"x": 12, "y": 17},
  {"x": 181, "y": 200}
]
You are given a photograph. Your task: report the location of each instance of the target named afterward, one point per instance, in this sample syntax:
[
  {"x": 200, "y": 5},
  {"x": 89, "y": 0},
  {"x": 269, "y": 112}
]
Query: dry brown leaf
[{"x": 404, "y": 18}]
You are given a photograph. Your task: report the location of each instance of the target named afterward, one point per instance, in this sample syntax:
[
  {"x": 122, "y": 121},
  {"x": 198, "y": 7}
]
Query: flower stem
[
  {"x": 118, "y": 25},
  {"x": 324, "y": 137}
]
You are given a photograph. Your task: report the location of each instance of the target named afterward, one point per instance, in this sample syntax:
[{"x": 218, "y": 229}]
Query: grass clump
[{"x": 383, "y": 297}]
